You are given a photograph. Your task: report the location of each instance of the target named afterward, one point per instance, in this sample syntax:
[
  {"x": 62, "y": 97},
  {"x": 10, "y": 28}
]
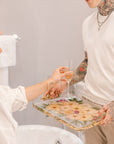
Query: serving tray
[{"x": 71, "y": 112}]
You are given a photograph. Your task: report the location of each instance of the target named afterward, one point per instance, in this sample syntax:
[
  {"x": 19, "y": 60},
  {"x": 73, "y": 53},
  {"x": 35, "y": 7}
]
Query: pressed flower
[
  {"x": 76, "y": 112},
  {"x": 61, "y": 100}
]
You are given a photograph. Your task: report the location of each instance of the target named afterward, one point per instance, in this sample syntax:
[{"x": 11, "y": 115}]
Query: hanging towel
[{"x": 8, "y": 54}]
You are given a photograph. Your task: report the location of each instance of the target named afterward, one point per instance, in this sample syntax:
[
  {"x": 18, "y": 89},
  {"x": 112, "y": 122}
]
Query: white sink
[{"x": 40, "y": 134}]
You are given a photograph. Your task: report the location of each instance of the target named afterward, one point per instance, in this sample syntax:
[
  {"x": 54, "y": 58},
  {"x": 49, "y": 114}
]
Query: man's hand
[{"x": 109, "y": 110}]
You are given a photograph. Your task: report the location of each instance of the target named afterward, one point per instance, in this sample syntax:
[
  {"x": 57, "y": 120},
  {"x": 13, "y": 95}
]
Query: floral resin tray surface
[{"x": 71, "y": 112}]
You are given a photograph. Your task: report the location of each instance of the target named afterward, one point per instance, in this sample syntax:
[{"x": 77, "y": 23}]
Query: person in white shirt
[
  {"x": 97, "y": 69},
  {"x": 12, "y": 100}
]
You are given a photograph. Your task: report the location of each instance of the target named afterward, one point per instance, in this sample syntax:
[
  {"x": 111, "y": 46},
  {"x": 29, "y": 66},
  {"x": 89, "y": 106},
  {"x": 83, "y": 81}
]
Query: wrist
[{"x": 50, "y": 83}]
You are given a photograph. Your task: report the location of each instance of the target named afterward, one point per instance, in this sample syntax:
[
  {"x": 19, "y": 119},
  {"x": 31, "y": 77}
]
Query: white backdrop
[{"x": 50, "y": 32}]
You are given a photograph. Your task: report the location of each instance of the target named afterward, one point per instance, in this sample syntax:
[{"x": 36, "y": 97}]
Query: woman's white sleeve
[{"x": 19, "y": 99}]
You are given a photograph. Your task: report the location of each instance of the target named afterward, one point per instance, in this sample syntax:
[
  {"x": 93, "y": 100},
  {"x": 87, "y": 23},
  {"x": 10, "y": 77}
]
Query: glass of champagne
[{"x": 69, "y": 77}]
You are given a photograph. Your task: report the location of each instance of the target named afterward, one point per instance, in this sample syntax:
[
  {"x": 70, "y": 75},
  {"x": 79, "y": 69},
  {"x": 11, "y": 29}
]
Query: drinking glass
[{"x": 69, "y": 77}]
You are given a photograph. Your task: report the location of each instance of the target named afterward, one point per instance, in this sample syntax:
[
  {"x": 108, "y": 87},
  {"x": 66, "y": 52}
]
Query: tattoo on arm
[{"x": 80, "y": 72}]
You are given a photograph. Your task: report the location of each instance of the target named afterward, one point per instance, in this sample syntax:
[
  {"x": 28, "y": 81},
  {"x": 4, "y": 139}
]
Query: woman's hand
[
  {"x": 56, "y": 90},
  {"x": 109, "y": 110},
  {"x": 36, "y": 90},
  {"x": 59, "y": 73},
  {"x": 59, "y": 87}
]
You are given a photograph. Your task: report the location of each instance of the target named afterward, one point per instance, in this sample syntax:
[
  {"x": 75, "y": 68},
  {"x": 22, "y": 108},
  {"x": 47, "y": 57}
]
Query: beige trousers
[{"x": 99, "y": 134}]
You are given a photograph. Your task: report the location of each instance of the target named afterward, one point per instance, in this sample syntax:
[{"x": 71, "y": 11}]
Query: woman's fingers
[
  {"x": 52, "y": 93},
  {"x": 63, "y": 68},
  {"x": 66, "y": 73},
  {"x": 47, "y": 93},
  {"x": 59, "y": 73},
  {"x": 54, "y": 89}
]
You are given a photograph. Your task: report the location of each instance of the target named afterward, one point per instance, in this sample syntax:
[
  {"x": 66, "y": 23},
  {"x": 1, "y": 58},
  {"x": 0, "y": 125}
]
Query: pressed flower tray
[{"x": 71, "y": 112}]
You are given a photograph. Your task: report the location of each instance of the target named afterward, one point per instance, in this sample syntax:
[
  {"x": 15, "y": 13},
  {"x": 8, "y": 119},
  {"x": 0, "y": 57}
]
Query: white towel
[{"x": 8, "y": 46}]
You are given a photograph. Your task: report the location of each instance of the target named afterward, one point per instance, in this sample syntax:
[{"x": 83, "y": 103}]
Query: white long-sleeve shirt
[
  {"x": 10, "y": 100},
  {"x": 99, "y": 80}
]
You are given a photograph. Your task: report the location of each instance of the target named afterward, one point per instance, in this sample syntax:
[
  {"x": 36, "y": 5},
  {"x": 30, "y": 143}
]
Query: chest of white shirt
[{"x": 102, "y": 37}]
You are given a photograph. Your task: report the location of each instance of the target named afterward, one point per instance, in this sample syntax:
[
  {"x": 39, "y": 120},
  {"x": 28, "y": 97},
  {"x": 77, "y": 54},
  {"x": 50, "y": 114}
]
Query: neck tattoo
[{"x": 105, "y": 8}]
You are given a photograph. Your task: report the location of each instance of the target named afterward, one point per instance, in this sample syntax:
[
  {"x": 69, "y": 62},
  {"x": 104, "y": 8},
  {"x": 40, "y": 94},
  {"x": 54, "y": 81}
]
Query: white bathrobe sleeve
[
  {"x": 10, "y": 100},
  {"x": 19, "y": 99},
  {"x": 13, "y": 99}
]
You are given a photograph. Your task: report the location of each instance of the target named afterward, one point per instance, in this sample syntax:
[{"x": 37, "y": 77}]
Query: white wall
[{"x": 51, "y": 34}]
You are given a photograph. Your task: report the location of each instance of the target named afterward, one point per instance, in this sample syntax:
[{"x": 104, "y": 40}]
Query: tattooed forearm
[{"x": 80, "y": 72}]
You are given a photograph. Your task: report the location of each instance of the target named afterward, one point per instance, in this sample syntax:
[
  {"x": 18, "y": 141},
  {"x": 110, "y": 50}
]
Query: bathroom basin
[{"x": 40, "y": 134}]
